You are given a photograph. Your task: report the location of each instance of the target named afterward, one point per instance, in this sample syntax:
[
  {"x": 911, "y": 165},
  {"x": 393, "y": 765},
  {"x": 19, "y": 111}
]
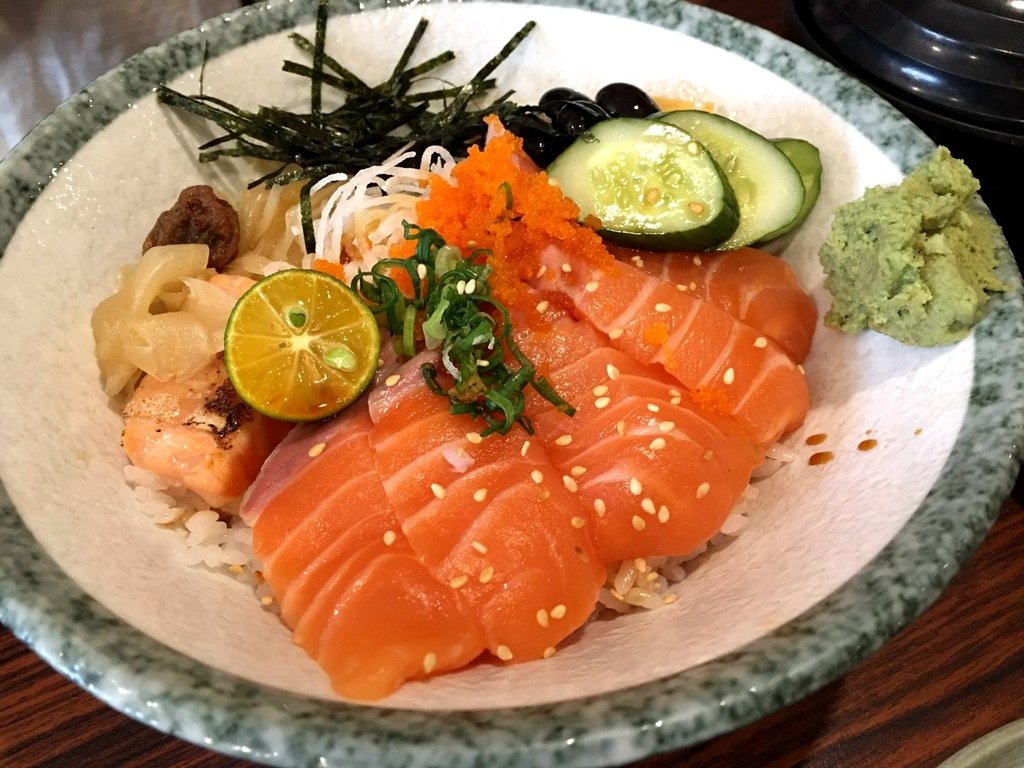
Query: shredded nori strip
[
  {"x": 371, "y": 125},
  {"x": 477, "y": 330}
]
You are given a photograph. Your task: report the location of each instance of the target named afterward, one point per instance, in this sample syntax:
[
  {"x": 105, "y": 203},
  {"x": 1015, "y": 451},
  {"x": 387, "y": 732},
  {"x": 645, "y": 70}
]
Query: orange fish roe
[
  {"x": 501, "y": 202},
  {"x": 332, "y": 268}
]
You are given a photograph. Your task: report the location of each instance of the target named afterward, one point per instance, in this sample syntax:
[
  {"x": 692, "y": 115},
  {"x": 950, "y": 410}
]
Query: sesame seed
[
  {"x": 437, "y": 490},
  {"x": 236, "y": 569},
  {"x": 638, "y": 523},
  {"x": 730, "y": 376},
  {"x": 479, "y": 494},
  {"x": 591, "y": 286},
  {"x": 578, "y": 522},
  {"x": 481, "y": 363},
  {"x": 421, "y": 270},
  {"x": 612, "y": 371},
  {"x": 648, "y": 506},
  {"x": 653, "y": 407},
  {"x": 549, "y": 652},
  {"x": 620, "y": 427},
  {"x": 693, "y": 286},
  {"x": 266, "y": 600},
  {"x": 486, "y": 574},
  {"x": 389, "y": 538},
  {"x": 525, "y": 448},
  {"x": 542, "y": 306},
  {"x": 471, "y": 285},
  {"x": 600, "y": 389},
  {"x": 578, "y": 471},
  {"x": 697, "y": 260},
  {"x": 657, "y": 444},
  {"x": 681, "y": 287},
  {"x": 504, "y": 653},
  {"x": 702, "y": 490},
  {"x": 667, "y": 426},
  {"x": 542, "y": 618},
  {"x": 800, "y": 368},
  {"x": 430, "y": 660},
  {"x": 696, "y": 207},
  {"x": 459, "y": 581},
  {"x": 600, "y": 507},
  {"x": 558, "y": 612},
  {"x": 460, "y": 287},
  {"x": 693, "y": 148},
  {"x": 570, "y": 485},
  {"x": 563, "y": 440},
  {"x": 479, "y": 547},
  {"x": 393, "y": 379},
  {"x": 567, "y": 268},
  {"x": 474, "y": 438},
  {"x": 316, "y": 450},
  {"x": 615, "y": 333},
  {"x": 640, "y": 564},
  {"x": 662, "y": 307},
  {"x": 760, "y": 342},
  {"x": 668, "y": 599},
  {"x": 635, "y": 486},
  {"x": 602, "y": 402},
  {"x": 663, "y": 514},
  {"x": 542, "y": 270},
  {"x": 537, "y": 476},
  {"x": 676, "y": 400}
]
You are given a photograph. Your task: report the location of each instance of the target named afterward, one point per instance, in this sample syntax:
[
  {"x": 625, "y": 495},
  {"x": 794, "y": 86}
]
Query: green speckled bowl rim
[{"x": 158, "y": 686}]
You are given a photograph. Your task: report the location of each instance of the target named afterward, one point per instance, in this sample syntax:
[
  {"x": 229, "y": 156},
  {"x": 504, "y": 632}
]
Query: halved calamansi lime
[{"x": 300, "y": 345}]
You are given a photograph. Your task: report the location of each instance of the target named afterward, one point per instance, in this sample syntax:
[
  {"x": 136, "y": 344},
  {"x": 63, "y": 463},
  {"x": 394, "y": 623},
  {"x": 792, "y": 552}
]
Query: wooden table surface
[{"x": 954, "y": 674}]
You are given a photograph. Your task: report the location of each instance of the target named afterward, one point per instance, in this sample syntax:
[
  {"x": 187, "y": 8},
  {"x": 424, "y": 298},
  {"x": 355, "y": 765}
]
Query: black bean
[
  {"x": 561, "y": 94},
  {"x": 576, "y": 117},
  {"x": 625, "y": 100}
]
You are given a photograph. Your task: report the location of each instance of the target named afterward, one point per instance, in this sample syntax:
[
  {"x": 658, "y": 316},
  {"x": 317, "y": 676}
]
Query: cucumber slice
[
  {"x": 806, "y": 158},
  {"x": 767, "y": 185},
  {"x": 649, "y": 184}
]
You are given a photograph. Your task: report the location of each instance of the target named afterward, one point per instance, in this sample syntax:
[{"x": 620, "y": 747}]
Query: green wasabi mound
[{"x": 915, "y": 261}]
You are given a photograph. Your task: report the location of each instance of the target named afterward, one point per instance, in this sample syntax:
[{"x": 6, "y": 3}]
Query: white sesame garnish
[
  {"x": 549, "y": 652},
  {"x": 667, "y": 426},
  {"x": 801, "y": 369},
  {"x": 266, "y": 600},
  {"x": 675, "y": 392},
  {"x": 578, "y": 471},
  {"x": 640, "y": 564},
  {"x": 760, "y": 342},
  {"x": 525, "y": 448},
  {"x": 681, "y": 287},
  {"x": 459, "y": 581},
  {"x": 578, "y": 522},
  {"x": 430, "y": 660},
  {"x": 635, "y": 486},
  {"x": 662, "y": 307},
  {"x": 620, "y": 427},
  {"x": 602, "y": 402},
  {"x": 638, "y": 523},
  {"x": 479, "y": 494},
  {"x": 563, "y": 440},
  {"x": 591, "y": 286},
  {"x": 421, "y": 270},
  {"x": 567, "y": 268},
  {"x": 460, "y": 287},
  {"x": 558, "y": 612},
  {"x": 648, "y": 506},
  {"x": 730, "y": 376},
  {"x": 486, "y": 574},
  {"x": 389, "y": 538},
  {"x": 474, "y": 438},
  {"x": 542, "y": 306},
  {"x": 693, "y": 286},
  {"x": 600, "y": 389},
  {"x": 615, "y": 333},
  {"x": 668, "y": 599},
  {"x": 697, "y": 261},
  {"x": 504, "y": 653},
  {"x": 542, "y": 270},
  {"x": 316, "y": 450},
  {"x": 676, "y": 399},
  {"x": 479, "y": 547},
  {"x": 537, "y": 476},
  {"x": 612, "y": 371},
  {"x": 657, "y": 444},
  {"x": 600, "y": 507},
  {"x": 542, "y": 618},
  {"x": 437, "y": 490},
  {"x": 471, "y": 286},
  {"x": 570, "y": 485},
  {"x": 653, "y": 407},
  {"x": 663, "y": 514},
  {"x": 481, "y": 363},
  {"x": 393, "y": 379},
  {"x": 702, "y": 490}
]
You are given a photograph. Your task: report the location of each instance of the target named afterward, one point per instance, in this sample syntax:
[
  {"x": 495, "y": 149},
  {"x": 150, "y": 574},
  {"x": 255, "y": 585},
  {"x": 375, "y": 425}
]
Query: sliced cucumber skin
[
  {"x": 768, "y": 186},
  {"x": 623, "y": 140},
  {"x": 806, "y": 158}
]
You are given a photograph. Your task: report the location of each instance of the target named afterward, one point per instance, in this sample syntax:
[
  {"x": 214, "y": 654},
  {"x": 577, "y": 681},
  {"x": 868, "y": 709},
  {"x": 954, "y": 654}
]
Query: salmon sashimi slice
[
  {"x": 660, "y": 473},
  {"x": 726, "y": 365},
  {"x": 753, "y": 286},
  {"x": 489, "y": 516},
  {"x": 198, "y": 434},
  {"x": 358, "y": 599}
]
